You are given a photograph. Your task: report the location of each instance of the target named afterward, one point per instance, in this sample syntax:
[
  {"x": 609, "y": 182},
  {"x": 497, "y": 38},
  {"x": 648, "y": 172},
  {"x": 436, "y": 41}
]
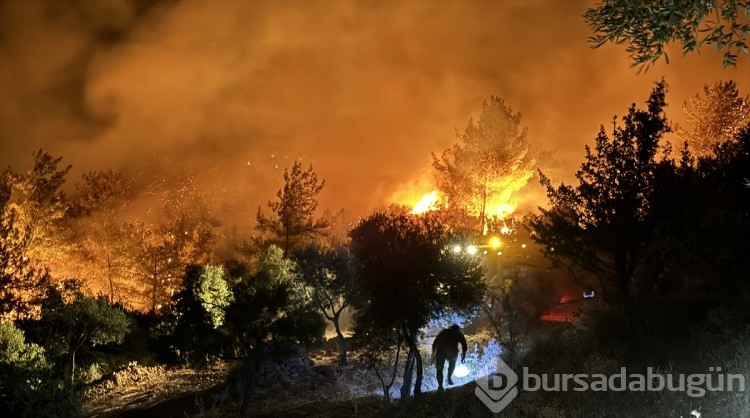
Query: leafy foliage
[
  {"x": 272, "y": 309},
  {"x": 331, "y": 276},
  {"x": 29, "y": 386},
  {"x": 32, "y": 207},
  {"x": 648, "y": 26},
  {"x": 293, "y": 213},
  {"x": 407, "y": 275},
  {"x": 71, "y": 321},
  {"x": 193, "y": 323},
  {"x": 213, "y": 293},
  {"x": 273, "y": 262}
]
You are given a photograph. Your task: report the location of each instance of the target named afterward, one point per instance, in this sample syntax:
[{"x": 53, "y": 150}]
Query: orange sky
[{"x": 236, "y": 90}]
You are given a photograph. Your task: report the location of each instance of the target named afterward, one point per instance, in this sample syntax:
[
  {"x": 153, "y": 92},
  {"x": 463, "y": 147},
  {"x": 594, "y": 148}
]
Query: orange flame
[
  {"x": 501, "y": 210},
  {"x": 427, "y": 203}
]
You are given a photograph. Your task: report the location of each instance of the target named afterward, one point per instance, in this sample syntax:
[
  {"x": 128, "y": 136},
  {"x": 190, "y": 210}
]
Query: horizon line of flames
[{"x": 435, "y": 200}]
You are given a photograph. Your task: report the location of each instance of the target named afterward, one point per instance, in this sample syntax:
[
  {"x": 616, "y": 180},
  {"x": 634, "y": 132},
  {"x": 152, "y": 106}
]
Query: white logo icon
[{"x": 498, "y": 389}]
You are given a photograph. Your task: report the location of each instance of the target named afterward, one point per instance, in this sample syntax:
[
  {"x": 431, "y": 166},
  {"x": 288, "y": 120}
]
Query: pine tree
[{"x": 293, "y": 220}]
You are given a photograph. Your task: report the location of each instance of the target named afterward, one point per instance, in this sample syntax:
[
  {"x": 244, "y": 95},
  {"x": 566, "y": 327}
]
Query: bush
[{"x": 30, "y": 388}]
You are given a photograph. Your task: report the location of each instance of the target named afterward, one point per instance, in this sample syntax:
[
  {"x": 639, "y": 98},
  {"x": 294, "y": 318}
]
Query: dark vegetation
[
  {"x": 646, "y": 27},
  {"x": 660, "y": 236}
]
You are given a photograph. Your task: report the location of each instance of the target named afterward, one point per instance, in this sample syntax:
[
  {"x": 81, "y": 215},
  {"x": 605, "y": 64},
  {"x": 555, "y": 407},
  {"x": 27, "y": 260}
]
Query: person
[{"x": 445, "y": 347}]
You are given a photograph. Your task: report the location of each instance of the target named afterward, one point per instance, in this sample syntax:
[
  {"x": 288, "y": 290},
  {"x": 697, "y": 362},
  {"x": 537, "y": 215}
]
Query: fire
[
  {"x": 433, "y": 200},
  {"x": 502, "y": 210},
  {"x": 501, "y": 201},
  {"x": 427, "y": 203}
]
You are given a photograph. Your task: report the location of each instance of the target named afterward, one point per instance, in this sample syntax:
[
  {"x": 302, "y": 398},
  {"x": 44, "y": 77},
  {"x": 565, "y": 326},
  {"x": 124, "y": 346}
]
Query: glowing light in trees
[{"x": 427, "y": 203}]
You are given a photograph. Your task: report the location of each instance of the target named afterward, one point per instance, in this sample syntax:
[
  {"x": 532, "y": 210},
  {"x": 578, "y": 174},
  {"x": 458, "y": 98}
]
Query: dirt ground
[
  {"x": 156, "y": 391},
  {"x": 138, "y": 388}
]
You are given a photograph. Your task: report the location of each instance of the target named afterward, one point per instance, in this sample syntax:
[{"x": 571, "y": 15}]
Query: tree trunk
[
  {"x": 420, "y": 373},
  {"x": 408, "y": 375},
  {"x": 342, "y": 340},
  {"x": 153, "y": 290},
  {"x": 111, "y": 285},
  {"x": 483, "y": 214},
  {"x": 73, "y": 368},
  {"x": 413, "y": 348},
  {"x": 286, "y": 242}
]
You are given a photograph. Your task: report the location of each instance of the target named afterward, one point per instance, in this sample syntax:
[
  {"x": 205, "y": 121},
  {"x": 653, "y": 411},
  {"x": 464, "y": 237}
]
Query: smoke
[{"x": 364, "y": 91}]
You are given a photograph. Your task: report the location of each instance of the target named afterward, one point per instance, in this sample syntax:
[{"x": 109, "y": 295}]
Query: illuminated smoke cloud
[{"x": 364, "y": 91}]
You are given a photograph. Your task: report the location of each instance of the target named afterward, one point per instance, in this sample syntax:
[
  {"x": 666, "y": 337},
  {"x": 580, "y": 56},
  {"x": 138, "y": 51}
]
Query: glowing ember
[
  {"x": 461, "y": 371},
  {"x": 427, "y": 203}
]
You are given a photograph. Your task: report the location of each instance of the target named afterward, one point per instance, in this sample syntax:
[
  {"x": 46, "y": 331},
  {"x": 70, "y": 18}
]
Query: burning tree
[
  {"x": 718, "y": 116},
  {"x": 40, "y": 206},
  {"x": 21, "y": 285},
  {"x": 155, "y": 258},
  {"x": 492, "y": 160},
  {"x": 96, "y": 213},
  {"x": 181, "y": 235}
]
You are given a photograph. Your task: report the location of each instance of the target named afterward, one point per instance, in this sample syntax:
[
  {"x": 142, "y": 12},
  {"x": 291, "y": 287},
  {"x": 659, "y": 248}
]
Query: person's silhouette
[{"x": 445, "y": 347}]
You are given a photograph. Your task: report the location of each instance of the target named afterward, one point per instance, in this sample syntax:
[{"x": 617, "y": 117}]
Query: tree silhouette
[
  {"x": 701, "y": 220},
  {"x": 407, "y": 274},
  {"x": 601, "y": 225},
  {"x": 293, "y": 213},
  {"x": 648, "y": 26},
  {"x": 330, "y": 274}
]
